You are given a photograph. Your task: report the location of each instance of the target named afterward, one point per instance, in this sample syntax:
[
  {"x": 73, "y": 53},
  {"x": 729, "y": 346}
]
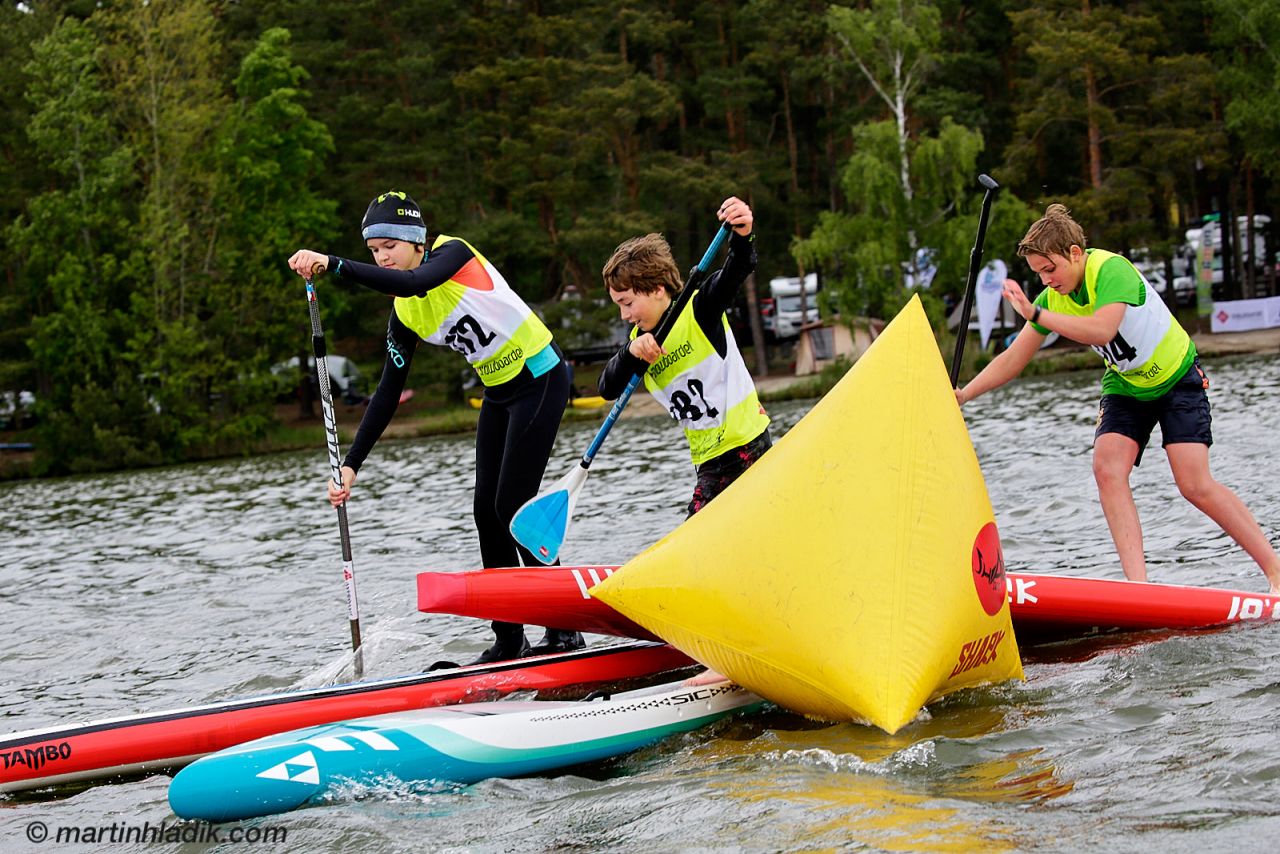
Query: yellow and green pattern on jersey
[
  {"x": 478, "y": 314},
  {"x": 1150, "y": 350},
  {"x": 713, "y": 398}
]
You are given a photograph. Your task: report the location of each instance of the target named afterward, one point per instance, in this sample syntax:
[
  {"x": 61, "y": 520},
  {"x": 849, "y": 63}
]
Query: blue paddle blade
[
  {"x": 543, "y": 522},
  {"x": 540, "y": 525}
]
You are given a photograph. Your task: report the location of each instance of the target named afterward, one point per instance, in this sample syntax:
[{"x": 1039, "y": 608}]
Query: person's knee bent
[
  {"x": 1110, "y": 472},
  {"x": 484, "y": 510},
  {"x": 1199, "y": 489}
]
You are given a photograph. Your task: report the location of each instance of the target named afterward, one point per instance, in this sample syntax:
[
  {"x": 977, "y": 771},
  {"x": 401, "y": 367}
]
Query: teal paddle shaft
[{"x": 541, "y": 524}]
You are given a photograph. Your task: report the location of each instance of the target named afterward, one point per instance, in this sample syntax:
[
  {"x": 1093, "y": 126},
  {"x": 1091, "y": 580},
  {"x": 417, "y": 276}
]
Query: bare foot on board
[{"x": 706, "y": 677}]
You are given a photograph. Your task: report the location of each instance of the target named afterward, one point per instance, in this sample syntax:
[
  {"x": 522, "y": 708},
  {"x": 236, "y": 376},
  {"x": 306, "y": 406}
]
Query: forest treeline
[{"x": 162, "y": 159}]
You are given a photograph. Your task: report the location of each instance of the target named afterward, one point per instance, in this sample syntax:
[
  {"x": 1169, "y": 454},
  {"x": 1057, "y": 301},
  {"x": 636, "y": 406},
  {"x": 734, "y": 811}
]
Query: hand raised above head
[{"x": 737, "y": 213}]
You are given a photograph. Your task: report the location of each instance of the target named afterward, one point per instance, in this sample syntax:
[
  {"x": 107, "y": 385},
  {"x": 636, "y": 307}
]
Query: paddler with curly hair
[
  {"x": 697, "y": 373},
  {"x": 452, "y": 296},
  {"x": 1152, "y": 376}
]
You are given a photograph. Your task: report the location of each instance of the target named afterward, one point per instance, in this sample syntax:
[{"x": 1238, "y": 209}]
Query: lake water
[{"x": 150, "y": 590}]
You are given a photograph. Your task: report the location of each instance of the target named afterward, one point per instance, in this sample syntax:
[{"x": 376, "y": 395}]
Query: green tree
[
  {"x": 1248, "y": 35},
  {"x": 21, "y": 170},
  {"x": 1111, "y": 116},
  {"x": 164, "y": 62},
  {"x": 908, "y": 187},
  {"x": 865, "y": 251},
  {"x": 893, "y": 43},
  {"x": 270, "y": 158},
  {"x": 77, "y": 241},
  {"x": 1250, "y": 32}
]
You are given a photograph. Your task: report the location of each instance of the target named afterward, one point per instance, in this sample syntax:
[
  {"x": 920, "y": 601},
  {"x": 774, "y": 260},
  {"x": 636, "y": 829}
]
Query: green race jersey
[{"x": 1150, "y": 350}]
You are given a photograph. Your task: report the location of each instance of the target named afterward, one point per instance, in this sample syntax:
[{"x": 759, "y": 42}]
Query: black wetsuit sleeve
[
  {"x": 721, "y": 289},
  {"x": 438, "y": 267},
  {"x": 401, "y": 343},
  {"x": 618, "y": 371}
]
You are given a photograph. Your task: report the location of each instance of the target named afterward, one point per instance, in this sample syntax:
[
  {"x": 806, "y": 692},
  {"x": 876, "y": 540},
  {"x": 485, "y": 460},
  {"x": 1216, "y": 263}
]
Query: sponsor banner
[
  {"x": 1204, "y": 277},
  {"x": 1245, "y": 314}
]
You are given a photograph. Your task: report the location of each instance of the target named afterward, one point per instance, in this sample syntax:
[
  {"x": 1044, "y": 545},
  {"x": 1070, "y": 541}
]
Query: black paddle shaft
[
  {"x": 335, "y": 464},
  {"x": 975, "y": 264}
]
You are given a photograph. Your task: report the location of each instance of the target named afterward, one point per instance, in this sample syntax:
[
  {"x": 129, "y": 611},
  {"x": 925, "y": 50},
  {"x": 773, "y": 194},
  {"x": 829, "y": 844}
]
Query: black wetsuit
[{"x": 518, "y": 419}]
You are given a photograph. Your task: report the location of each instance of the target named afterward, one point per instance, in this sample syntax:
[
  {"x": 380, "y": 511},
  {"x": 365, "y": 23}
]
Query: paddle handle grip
[{"x": 975, "y": 264}]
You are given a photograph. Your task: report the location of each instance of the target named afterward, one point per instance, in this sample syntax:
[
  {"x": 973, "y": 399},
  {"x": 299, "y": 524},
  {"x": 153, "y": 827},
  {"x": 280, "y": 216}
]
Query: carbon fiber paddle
[
  {"x": 975, "y": 264},
  {"x": 335, "y": 464}
]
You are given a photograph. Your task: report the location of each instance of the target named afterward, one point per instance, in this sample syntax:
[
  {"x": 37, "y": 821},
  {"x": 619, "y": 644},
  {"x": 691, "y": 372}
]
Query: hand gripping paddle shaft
[{"x": 542, "y": 523}]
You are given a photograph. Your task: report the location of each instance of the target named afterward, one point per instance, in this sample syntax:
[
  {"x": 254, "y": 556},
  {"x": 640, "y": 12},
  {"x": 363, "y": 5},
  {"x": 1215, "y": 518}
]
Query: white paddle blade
[{"x": 542, "y": 523}]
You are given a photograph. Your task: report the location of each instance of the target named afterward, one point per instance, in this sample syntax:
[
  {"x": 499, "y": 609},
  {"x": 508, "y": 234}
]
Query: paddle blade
[{"x": 542, "y": 523}]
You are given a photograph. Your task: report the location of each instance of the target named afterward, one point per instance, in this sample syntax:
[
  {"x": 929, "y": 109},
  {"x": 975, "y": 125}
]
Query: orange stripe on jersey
[{"x": 473, "y": 275}]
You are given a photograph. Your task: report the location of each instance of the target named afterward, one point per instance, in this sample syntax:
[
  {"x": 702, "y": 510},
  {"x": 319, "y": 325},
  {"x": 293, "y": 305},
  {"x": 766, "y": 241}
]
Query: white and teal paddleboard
[{"x": 464, "y": 743}]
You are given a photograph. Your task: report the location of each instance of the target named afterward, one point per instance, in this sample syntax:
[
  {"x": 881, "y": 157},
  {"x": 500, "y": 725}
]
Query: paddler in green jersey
[{"x": 1152, "y": 377}]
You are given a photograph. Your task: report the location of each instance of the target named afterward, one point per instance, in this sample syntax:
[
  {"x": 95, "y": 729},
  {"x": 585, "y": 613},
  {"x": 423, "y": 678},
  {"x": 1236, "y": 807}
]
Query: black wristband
[{"x": 1035, "y": 315}]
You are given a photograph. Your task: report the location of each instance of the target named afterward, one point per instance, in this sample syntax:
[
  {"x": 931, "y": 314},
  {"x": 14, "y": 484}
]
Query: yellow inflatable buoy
[{"x": 854, "y": 572}]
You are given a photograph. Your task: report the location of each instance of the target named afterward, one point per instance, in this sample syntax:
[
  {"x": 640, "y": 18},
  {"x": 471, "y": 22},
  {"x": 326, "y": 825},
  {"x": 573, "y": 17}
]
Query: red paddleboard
[
  {"x": 1044, "y": 607},
  {"x": 160, "y": 741}
]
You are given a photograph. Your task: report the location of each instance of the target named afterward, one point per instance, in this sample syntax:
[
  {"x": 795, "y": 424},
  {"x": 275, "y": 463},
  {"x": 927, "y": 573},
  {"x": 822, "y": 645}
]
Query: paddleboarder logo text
[
  {"x": 988, "y": 569},
  {"x": 656, "y": 369},
  {"x": 498, "y": 364},
  {"x": 35, "y": 757},
  {"x": 978, "y": 652}
]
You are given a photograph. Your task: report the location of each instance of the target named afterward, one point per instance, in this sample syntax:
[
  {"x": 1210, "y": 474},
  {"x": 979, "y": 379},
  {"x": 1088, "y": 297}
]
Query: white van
[
  {"x": 784, "y": 317},
  {"x": 1211, "y": 234}
]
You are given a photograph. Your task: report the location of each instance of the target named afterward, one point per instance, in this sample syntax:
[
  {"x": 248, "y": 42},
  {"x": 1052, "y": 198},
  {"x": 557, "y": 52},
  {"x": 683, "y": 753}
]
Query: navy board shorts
[{"x": 1182, "y": 413}]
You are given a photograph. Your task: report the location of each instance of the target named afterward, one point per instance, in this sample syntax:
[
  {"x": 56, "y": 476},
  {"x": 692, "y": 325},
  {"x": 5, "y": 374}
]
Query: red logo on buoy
[{"x": 988, "y": 569}]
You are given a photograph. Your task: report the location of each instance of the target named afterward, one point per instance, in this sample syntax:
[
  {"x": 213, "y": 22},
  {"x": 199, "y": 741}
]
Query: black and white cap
[{"x": 396, "y": 215}]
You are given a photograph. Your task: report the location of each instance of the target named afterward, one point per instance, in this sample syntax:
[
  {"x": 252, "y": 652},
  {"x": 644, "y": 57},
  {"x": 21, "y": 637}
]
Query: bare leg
[
  {"x": 706, "y": 677},
  {"x": 1190, "y": 464},
  {"x": 1113, "y": 458}
]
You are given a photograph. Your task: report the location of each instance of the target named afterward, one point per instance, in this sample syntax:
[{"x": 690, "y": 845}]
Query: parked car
[
  {"x": 17, "y": 410},
  {"x": 345, "y": 380}
]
